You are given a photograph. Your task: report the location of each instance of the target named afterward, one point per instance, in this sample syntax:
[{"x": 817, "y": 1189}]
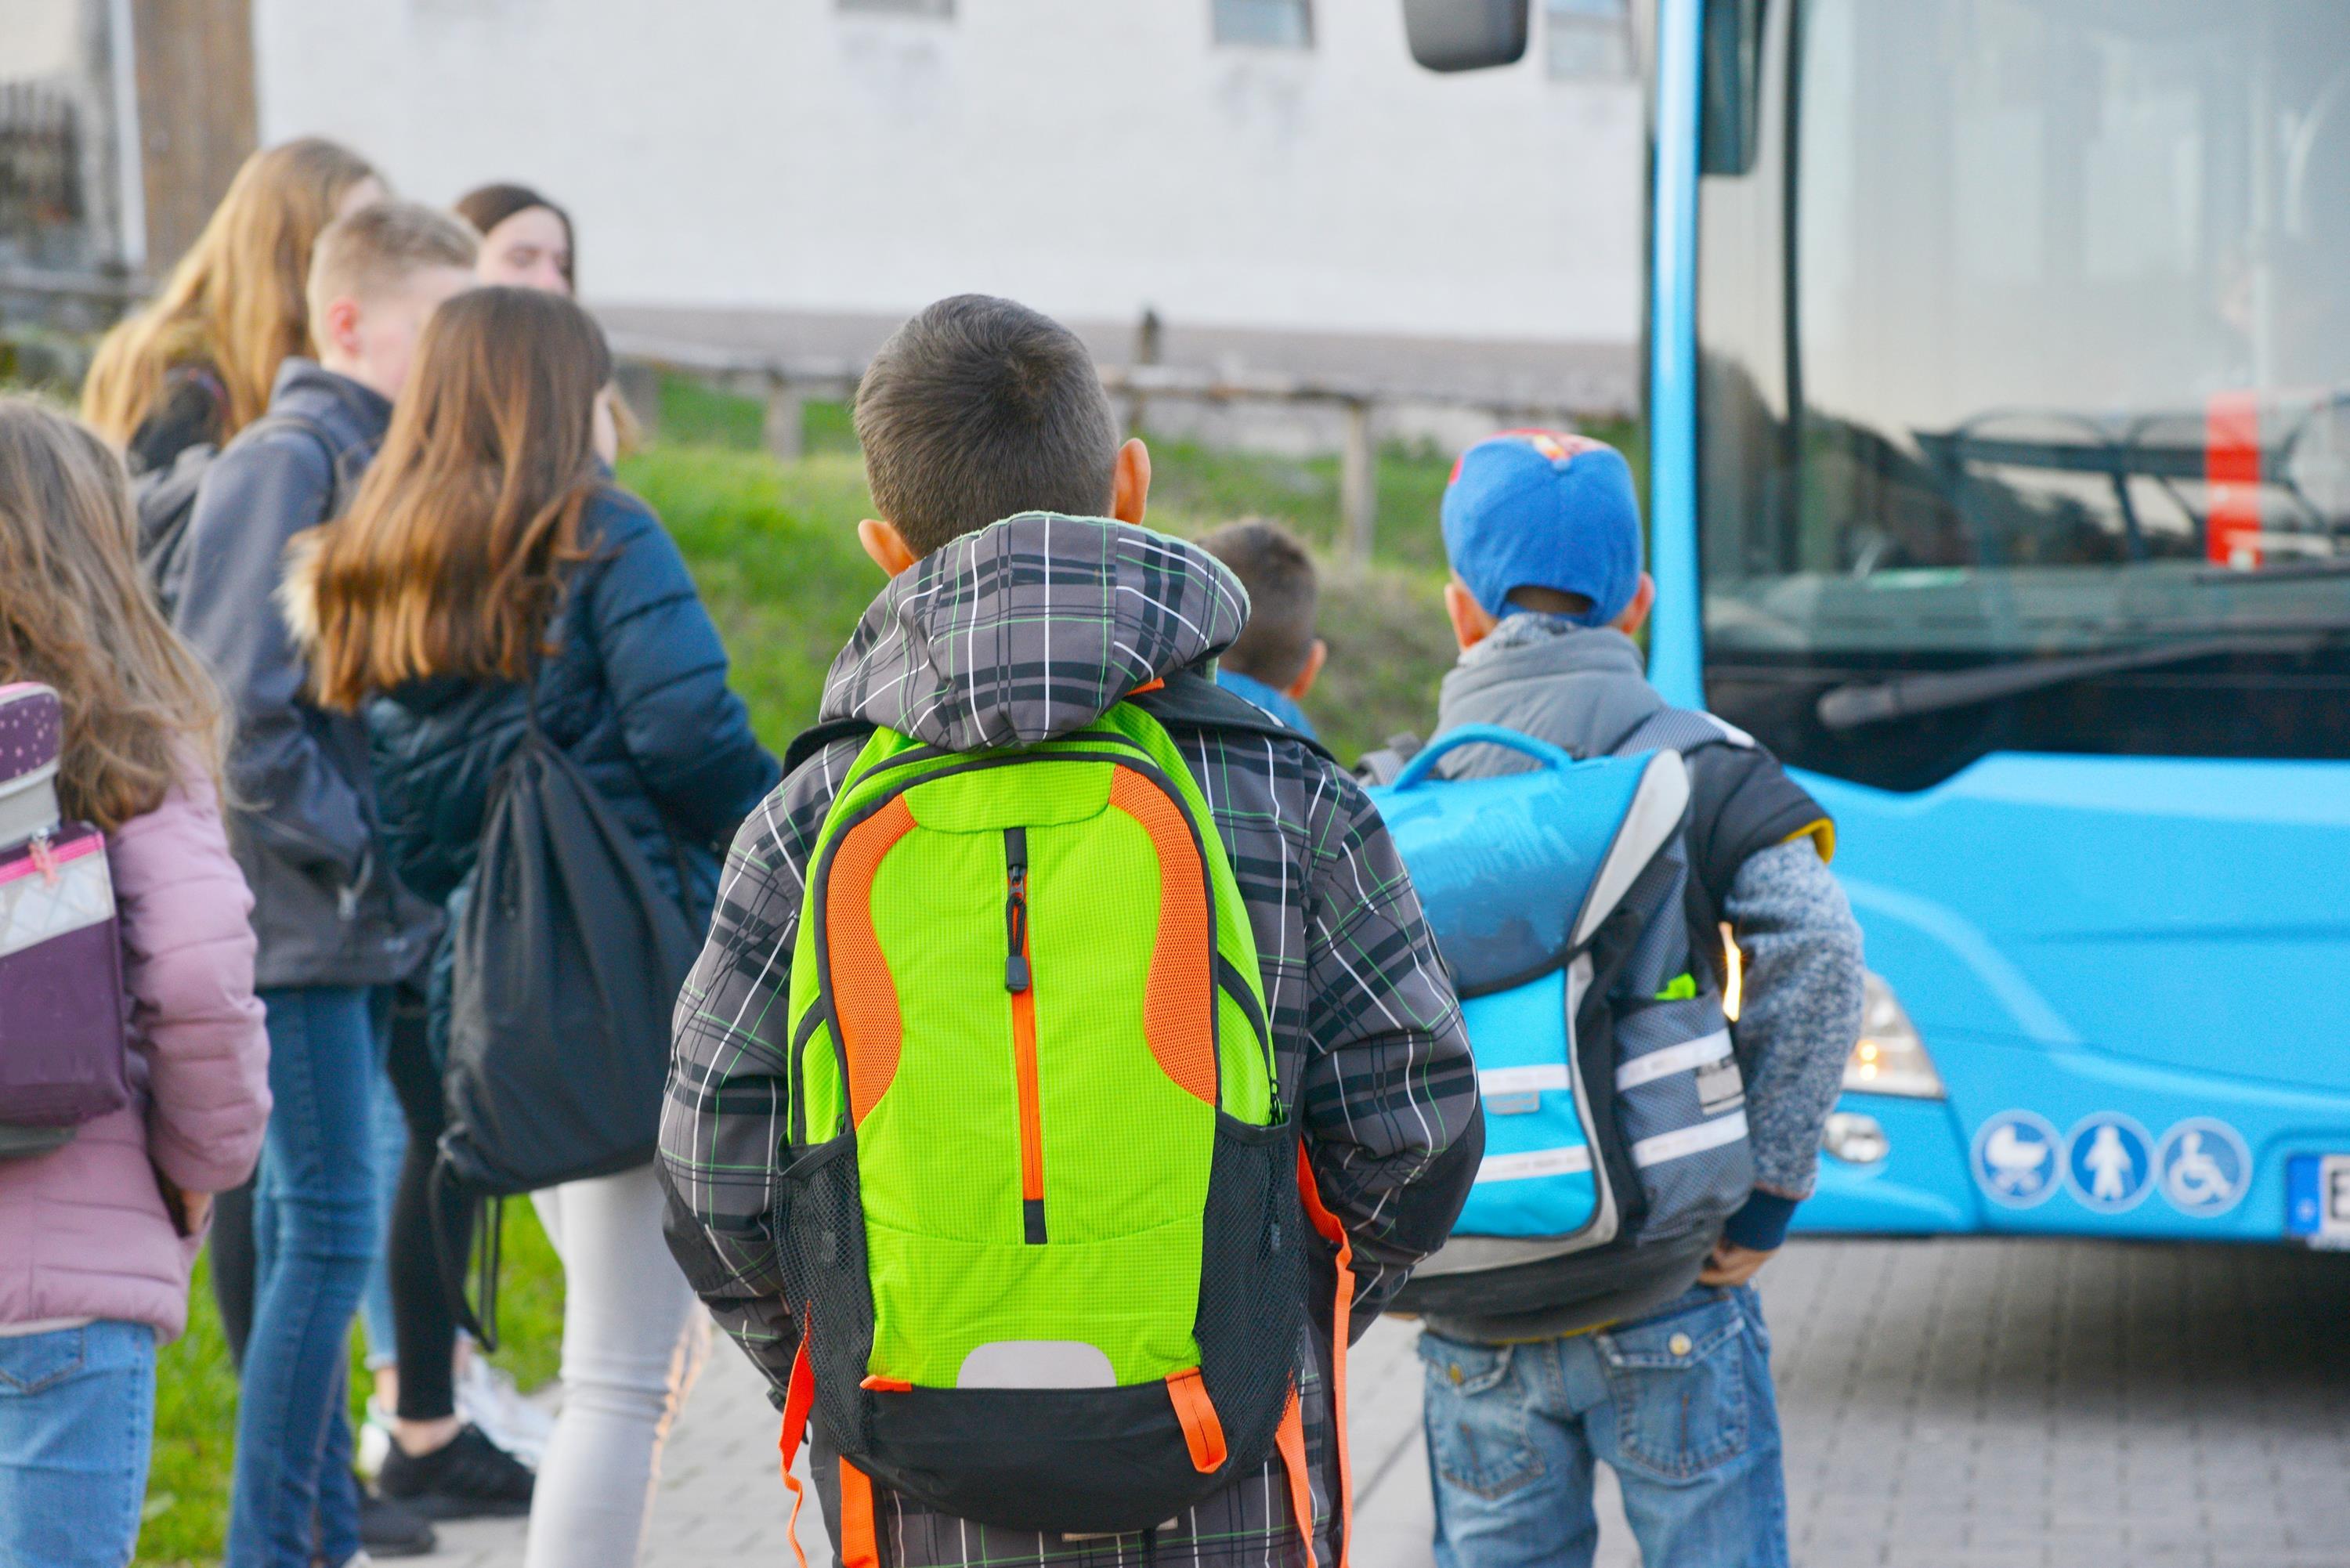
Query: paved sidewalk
[{"x": 1974, "y": 1404}]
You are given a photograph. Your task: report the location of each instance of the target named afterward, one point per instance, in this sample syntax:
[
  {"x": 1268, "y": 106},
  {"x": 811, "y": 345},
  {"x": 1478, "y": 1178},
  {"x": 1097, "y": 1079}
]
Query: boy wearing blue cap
[{"x": 1542, "y": 533}]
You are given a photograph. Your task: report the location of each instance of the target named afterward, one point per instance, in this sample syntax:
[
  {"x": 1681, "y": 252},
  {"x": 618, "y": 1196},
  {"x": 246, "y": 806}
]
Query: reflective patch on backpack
[{"x": 1720, "y": 1087}]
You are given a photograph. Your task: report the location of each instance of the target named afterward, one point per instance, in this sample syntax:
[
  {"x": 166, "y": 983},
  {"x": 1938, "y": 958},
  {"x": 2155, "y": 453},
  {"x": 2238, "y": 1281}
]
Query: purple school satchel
[{"x": 63, "y": 1046}]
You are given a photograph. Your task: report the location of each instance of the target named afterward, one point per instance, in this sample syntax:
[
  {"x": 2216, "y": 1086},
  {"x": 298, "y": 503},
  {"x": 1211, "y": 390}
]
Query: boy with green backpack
[{"x": 1069, "y": 1072}]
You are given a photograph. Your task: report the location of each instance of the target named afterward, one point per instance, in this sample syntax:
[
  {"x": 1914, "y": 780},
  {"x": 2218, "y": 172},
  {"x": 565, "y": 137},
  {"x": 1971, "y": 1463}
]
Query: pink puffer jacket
[{"x": 83, "y": 1230}]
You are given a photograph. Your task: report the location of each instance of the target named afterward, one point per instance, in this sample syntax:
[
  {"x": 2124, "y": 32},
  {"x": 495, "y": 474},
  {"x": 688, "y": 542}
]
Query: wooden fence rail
[{"x": 786, "y": 384}]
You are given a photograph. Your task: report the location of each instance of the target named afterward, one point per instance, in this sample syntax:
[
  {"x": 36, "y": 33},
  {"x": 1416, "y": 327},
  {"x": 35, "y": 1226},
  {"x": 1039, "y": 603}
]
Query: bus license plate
[{"x": 2318, "y": 1199}]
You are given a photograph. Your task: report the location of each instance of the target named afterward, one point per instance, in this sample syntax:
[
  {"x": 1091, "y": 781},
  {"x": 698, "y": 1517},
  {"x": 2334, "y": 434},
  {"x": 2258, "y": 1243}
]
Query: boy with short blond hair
[
  {"x": 1026, "y": 602},
  {"x": 332, "y": 920},
  {"x": 377, "y": 254}
]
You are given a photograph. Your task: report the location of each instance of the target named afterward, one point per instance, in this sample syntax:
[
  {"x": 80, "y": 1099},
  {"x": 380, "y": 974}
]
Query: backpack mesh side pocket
[
  {"x": 824, "y": 1269},
  {"x": 1252, "y": 1283}
]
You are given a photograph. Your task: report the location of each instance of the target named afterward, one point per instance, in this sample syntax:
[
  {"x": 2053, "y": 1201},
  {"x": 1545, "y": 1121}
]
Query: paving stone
[{"x": 1959, "y": 1403}]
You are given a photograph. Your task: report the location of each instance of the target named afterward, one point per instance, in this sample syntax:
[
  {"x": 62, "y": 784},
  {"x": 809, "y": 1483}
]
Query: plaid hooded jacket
[{"x": 1027, "y": 630}]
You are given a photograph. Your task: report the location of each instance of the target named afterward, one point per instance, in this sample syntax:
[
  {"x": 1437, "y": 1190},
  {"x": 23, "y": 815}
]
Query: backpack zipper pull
[{"x": 1016, "y": 910}]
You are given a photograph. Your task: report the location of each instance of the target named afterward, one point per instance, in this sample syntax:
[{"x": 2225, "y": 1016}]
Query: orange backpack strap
[
  {"x": 858, "y": 1546},
  {"x": 1289, "y": 1442},
  {"x": 799, "y": 1397},
  {"x": 1325, "y": 1224},
  {"x": 1203, "y": 1434}
]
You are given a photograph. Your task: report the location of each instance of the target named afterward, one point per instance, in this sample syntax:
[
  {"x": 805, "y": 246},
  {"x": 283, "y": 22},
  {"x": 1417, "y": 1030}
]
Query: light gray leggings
[{"x": 634, "y": 1339}]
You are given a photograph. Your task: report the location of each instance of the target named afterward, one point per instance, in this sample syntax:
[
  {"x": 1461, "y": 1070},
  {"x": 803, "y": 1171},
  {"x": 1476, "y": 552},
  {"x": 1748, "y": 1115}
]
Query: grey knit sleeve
[{"x": 1800, "y": 1013}]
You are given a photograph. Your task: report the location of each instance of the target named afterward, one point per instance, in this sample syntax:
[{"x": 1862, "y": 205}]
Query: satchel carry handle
[
  {"x": 1545, "y": 754},
  {"x": 676, "y": 851}
]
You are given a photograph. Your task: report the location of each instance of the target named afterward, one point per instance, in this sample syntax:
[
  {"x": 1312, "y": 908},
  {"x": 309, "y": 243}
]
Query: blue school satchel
[{"x": 1614, "y": 1128}]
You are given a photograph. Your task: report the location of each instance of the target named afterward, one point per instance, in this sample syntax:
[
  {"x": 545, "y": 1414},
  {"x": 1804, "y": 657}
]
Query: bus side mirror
[
  {"x": 1734, "y": 86},
  {"x": 1466, "y": 35}
]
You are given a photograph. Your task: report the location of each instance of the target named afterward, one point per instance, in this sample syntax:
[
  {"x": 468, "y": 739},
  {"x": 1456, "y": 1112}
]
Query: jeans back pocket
[
  {"x": 1678, "y": 1386},
  {"x": 32, "y": 1362},
  {"x": 1478, "y": 1435}
]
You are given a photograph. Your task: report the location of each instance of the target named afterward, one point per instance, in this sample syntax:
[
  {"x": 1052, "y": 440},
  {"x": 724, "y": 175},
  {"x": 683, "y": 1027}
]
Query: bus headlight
[
  {"x": 1855, "y": 1140},
  {"x": 1890, "y": 1058}
]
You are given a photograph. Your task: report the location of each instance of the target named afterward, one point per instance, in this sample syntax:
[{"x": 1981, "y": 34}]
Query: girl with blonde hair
[
  {"x": 196, "y": 363},
  {"x": 97, "y": 1236}
]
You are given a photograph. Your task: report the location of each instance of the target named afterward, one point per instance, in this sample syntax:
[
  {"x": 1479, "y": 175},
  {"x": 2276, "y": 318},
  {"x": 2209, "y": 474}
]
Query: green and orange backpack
[{"x": 1040, "y": 1217}]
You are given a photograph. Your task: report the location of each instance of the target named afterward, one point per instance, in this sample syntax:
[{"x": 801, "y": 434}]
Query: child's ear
[
  {"x": 886, "y": 546},
  {"x": 334, "y": 332},
  {"x": 1314, "y": 658},
  {"x": 1129, "y": 493},
  {"x": 1470, "y": 624},
  {"x": 1636, "y": 614}
]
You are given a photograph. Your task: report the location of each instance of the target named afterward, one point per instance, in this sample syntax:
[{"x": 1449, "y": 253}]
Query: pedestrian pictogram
[
  {"x": 2109, "y": 1162},
  {"x": 2016, "y": 1159},
  {"x": 2203, "y": 1166}
]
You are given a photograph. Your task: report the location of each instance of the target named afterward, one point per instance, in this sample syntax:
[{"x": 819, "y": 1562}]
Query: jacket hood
[
  {"x": 1030, "y": 628},
  {"x": 305, "y": 388},
  {"x": 1588, "y": 682},
  {"x": 350, "y": 416}
]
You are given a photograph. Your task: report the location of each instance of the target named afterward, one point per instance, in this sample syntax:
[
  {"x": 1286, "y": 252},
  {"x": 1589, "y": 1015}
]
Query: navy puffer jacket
[{"x": 635, "y": 693}]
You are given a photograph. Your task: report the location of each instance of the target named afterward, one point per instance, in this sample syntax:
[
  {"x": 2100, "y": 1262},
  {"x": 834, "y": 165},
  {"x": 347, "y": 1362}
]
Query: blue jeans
[
  {"x": 1679, "y": 1406},
  {"x": 318, "y": 1223},
  {"x": 375, "y": 1305},
  {"x": 77, "y": 1418}
]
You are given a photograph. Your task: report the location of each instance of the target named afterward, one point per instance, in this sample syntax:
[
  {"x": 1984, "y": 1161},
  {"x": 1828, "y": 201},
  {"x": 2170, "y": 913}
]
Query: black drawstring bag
[{"x": 568, "y": 960}]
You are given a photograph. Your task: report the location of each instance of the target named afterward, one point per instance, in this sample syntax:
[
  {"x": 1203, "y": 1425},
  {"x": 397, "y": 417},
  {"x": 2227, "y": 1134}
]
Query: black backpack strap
[
  {"x": 1190, "y": 701},
  {"x": 819, "y": 735}
]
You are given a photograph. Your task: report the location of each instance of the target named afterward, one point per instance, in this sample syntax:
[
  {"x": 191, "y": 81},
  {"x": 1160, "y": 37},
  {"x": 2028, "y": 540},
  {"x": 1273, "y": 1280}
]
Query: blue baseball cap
[{"x": 1543, "y": 509}]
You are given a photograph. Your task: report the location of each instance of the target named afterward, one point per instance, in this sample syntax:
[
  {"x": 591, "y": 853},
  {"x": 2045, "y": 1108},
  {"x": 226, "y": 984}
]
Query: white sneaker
[
  {"x": 374, "y": 1441},
  {"x": 512, "y": 1419}
]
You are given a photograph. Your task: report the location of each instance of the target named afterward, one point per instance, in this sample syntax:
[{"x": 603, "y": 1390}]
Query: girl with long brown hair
[
  {"x": 196, "y": 363},
  {"x": 97, "y": 1236},
  {"x": 489, "y": 561}
]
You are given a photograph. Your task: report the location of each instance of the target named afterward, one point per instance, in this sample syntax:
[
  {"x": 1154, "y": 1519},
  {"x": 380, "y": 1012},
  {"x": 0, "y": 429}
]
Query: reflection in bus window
[{"x": 2060, "y": 373}]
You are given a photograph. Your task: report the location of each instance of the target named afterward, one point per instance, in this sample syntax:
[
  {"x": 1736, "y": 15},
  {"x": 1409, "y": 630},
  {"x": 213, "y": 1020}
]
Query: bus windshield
[{"x": 2064, "y": 381}]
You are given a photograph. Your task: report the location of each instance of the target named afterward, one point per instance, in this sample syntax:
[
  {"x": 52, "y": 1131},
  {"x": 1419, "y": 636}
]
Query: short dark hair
[
  {"x": 979, "y": 409},
  {"x": 1278, "y": 640}
]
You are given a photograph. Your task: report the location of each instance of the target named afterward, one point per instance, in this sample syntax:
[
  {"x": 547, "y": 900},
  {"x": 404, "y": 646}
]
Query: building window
[
  {"x": 40, "y": 172},
  {"x": 1267, "y": 24},
  {"x": 942, "y": 9},
  {"x": 1587, "y": 40}
]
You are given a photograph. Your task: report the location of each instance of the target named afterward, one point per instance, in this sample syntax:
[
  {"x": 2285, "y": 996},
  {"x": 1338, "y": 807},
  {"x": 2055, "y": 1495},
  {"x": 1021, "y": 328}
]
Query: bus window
[{"x": 2042, "y": 441}]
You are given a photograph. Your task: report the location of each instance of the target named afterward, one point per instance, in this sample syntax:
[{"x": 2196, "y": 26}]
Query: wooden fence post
[
  {"x": 787, "y": 427},
  {"x": 640, "y": 386},
  {"x": 1358, "y": 487}
]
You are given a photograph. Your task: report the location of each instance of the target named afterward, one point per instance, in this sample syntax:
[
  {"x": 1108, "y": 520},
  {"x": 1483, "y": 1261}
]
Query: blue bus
[{"x": 1999, "y": 412}]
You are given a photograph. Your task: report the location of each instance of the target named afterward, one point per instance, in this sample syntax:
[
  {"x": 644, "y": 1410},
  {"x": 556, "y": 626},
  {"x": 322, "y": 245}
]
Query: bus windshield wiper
[{"x": 1856, "y": 703}]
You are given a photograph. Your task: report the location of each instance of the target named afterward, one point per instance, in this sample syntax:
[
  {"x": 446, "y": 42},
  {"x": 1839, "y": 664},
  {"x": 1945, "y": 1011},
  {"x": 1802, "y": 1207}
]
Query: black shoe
[
  {"x": 469, "y": 1476},
  {"x": 388, "y": 1528}
]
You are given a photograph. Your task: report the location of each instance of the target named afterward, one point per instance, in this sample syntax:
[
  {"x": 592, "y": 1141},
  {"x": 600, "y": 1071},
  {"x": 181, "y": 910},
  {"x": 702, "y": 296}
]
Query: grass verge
[{"x": 774, "y": 547}]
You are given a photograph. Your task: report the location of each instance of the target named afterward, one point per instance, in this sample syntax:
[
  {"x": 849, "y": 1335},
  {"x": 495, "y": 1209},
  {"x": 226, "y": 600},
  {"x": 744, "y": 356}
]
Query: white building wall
[{"x": 1089, "y": 157}]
